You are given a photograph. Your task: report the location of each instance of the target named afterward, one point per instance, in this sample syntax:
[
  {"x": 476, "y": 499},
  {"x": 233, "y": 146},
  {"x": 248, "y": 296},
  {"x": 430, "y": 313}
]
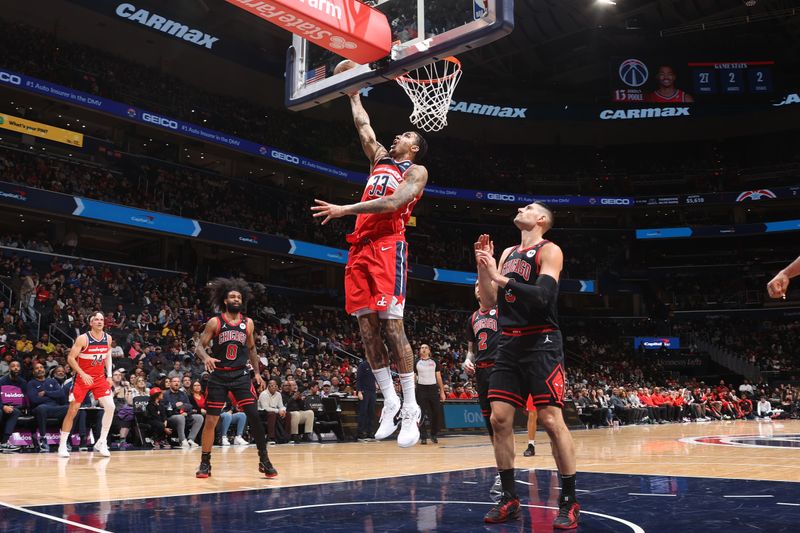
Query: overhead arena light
[{"x": 607, "y": 2}]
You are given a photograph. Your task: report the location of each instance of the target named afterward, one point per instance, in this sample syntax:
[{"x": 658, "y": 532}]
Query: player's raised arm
[
  {"x": 484, "y": 257},
  {"x": 546, "y": 288},
  {"x": 372, "y": 148},
  {"x": 415, "y": 179}
]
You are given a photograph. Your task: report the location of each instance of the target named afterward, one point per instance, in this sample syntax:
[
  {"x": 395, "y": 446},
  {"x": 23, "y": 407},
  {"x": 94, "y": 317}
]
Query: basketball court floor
[{"x": 738, "y": 476}]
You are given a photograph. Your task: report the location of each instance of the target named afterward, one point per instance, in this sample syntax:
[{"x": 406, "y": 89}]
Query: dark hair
[
  {"x": 551, "y": 218},
  {"x": 423, "y": 147},
  {"x": 220, "y": 288}
]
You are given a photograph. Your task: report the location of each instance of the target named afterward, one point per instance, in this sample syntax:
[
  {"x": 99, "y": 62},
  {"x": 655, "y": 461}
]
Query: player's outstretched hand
[
  {"x": 327, "y": 210},
  {"x": 778, "y": 285},
  {"x": 211, "y": 364}
]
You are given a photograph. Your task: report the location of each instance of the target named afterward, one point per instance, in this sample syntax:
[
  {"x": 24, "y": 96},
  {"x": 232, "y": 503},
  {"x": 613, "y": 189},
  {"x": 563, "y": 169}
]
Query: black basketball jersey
[
  {"x": 483, "y": 332},
  {"x": 230, "y": 346},
  {"x": 517, "y": 316}
]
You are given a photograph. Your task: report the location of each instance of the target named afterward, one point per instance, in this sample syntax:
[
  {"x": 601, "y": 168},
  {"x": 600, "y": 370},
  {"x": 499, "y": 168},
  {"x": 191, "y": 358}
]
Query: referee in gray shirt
[{"x": 430, "y": 393}]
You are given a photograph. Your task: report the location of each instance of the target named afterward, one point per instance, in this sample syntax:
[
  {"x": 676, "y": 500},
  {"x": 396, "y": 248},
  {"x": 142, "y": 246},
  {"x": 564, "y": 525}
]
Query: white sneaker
[
  {"x": 192, "y": 444},
  {"x": 409, "y": 428},
  {"x": 388, "y": 422},
  {"x": 185, "y": 444},
  {"x": 239, "y": 441},
  {"x": 225, "y": 441},
  {"x": 63, "y": 451},
  {"x": 101, "y": 447}
]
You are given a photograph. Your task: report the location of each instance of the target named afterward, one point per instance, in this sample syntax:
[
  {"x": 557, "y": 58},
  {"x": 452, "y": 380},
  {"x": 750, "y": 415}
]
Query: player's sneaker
[
  {"x": 63, "y": 451},
  {"x": 409, "y": 426},
  {"x": 568, "y": 514},
  {"x": 101, "y": 447},
  {"x": 530, "y": 451},
  {"x": 204, "y": 470},
  {"x": 506, "y": 509},
  {"x": 265, "y": 466},
  {"x": 389, "y": 420}
]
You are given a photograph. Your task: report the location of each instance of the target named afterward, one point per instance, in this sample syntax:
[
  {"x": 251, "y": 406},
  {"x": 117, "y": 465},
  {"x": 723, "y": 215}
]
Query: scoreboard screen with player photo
[{"x": 673, "y": 81}]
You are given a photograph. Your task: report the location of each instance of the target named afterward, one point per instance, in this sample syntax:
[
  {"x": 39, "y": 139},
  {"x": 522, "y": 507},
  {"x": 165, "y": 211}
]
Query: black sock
[
  {"x": 507, "y": 480},
  {"x": 205, "y": 457},
  {"x": 568, "y": 489}
]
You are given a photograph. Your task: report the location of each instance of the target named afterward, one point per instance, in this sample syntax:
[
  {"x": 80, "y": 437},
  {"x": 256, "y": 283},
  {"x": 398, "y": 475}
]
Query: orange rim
[{"x": 407, "y": 79}]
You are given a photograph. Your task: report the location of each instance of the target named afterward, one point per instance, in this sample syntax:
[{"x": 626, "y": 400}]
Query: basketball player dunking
[
  {"x": 234, "y": 345},
  {"x": 90, "y": 359},
  {"x": 530, "y": 354},
  {"x": 376, "y": 272}
]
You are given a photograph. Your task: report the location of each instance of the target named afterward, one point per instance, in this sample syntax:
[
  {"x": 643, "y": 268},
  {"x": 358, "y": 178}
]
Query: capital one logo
[
  {"x": 286, "y": 157},
  {"x": 633, "y": 73},
  {"x": 160, "y": 121},
  {"x": 7, "y": 77}
]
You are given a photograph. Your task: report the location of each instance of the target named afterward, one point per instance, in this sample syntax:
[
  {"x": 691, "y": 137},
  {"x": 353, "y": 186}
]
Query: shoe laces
[{"x": 565, "y": 509}]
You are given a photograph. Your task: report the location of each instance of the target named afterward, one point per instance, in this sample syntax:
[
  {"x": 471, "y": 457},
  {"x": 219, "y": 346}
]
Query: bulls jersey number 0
[{"x": 230, "y": 346}]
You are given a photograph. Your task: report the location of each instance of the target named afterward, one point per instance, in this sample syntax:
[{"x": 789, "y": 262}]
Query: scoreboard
[{"x": 732, "y": 78}]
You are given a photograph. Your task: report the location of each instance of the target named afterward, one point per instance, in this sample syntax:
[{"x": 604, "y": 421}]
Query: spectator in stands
[
  {"x": 326, "y": 389},
  {"x": 232, "y": 415},
  {"x": 297, "y": 410},
  {"x": 9, "y": 412},
  {"x": 140, "y": 387},
  {"x": 270, "y": 403},
  {"x": 23, "y": 345},
  {"x": 764, "y": 409},
  {"x": 156, "y": 418},
  {"x": 176, "y": 372},
  {"x": 48, "y": 400},
  {"x": 179, "y": 414}
]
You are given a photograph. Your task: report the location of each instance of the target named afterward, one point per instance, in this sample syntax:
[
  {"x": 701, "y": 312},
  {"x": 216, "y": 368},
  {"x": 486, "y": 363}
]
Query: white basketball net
[{"x": 430, "y": 89}]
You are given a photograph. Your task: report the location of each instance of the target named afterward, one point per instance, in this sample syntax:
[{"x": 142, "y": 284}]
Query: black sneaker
[
  {"x": 204, "y": 470},
  {"x": 423, "y": 441},
  {"x": 7, "y": 447},
  {"x": 265, "y": 466},
  {"x": 530, "y": 451},
  {"x": 506, "y": 509},
  {"x": 568, "y": 514},
  {"x": 43, "y": 446},
  {"x": 435, "y": 439}
]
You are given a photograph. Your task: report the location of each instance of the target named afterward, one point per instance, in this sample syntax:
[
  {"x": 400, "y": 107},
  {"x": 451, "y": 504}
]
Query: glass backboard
[{"x": 422, "y": 31}]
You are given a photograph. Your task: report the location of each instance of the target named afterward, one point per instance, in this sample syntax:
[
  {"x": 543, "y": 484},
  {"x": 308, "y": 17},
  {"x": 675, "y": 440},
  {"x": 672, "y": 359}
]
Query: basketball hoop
[{"x": 430, "y": 88}]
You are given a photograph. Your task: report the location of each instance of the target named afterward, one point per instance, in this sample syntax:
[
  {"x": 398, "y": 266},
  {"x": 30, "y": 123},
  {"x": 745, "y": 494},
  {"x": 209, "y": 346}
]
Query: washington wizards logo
[{"x": 758, "y": 194}]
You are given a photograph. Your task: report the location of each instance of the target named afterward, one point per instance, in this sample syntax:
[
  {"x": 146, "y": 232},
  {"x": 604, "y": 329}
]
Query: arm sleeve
[{"x": 540, "y": 295}]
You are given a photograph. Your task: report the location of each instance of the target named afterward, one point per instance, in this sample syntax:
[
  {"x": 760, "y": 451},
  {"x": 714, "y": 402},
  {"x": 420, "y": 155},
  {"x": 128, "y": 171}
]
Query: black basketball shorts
[
  {"x": 221, "y": 383},
  {"x": 482, "y": 373},
  {"x": 529, "y": 364}
]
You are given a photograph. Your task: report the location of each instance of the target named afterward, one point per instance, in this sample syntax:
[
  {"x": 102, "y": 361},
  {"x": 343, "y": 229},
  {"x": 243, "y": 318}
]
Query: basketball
[{"x": 344, "y": 65}]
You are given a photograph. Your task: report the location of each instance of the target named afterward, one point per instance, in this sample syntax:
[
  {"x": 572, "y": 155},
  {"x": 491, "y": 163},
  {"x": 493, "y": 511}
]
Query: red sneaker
[
  {"x": 506, "y": 509},
  {"x": 568, "y": 514}
]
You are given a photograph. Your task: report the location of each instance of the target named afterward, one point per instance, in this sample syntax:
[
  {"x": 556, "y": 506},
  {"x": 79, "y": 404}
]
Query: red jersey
[
  {"x": 92, "y": 358},
  {"x": 385, "y": 178},
  {"x": 677, "y": 96}
]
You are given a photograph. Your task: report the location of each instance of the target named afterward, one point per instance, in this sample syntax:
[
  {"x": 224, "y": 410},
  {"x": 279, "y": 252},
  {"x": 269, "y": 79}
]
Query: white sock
[
  {"x": 64, "y": 438},
  {"x": 409, "y": 389},
  {"x": 532, "y": 442},
  {"x": 384, "y": 378}
]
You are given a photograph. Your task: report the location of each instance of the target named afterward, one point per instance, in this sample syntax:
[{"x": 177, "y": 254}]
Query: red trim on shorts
[
  {"x": 484, "y": 364},
  {"x": 229, "y": 367},
  {"x": 505, "y": 396},
  {"x": 548, "y": 402},
  {"x": 527, "y": 330}
]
